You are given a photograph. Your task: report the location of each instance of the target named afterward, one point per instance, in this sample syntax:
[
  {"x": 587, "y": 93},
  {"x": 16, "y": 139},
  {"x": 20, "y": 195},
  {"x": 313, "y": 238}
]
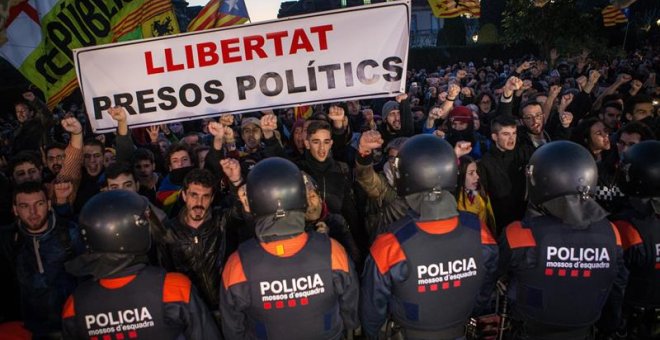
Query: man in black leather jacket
[{"x": 195, "y": 242}]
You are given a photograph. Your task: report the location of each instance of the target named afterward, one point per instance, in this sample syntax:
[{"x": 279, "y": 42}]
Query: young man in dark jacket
[{"x": 36, "y": 248}]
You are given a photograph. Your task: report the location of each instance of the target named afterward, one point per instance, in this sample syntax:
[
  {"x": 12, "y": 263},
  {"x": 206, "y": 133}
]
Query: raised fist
[
  {"x": 227, "y": 120},
  {"x": 117, "y": 113},
  {"x": 336, "y": 113},
  {"x": 623, "y": 78},
  {"x": 268, "y": 125},
  {"x": 401, "y": 97},
  {"x": 462, "y": 148},
  {"x": 216, "y": 129},
  {"x": 453, "y": 91},
  {"x": 554, "y": 91},
  {"x": 369, "y": 141},
  {"x": 72, "y": 125},
  {"x": 513, "y": 84}
]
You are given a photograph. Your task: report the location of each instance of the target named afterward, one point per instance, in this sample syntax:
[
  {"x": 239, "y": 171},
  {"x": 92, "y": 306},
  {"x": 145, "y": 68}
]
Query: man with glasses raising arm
[{"x": 533, "y": 130}]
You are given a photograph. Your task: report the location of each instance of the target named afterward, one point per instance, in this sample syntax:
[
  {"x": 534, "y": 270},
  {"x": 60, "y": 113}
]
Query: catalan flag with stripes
[
  {"x": 302, "y": 112},
  {"x": 454, "y": 8},
  {"x": 613, "y": 16},
  {"x": 220, "y": 13}
]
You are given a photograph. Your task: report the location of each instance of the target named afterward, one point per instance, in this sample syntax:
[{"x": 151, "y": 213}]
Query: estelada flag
[
  {"x": 220, "y": 13},
  {"x": 613, "y": 16}
]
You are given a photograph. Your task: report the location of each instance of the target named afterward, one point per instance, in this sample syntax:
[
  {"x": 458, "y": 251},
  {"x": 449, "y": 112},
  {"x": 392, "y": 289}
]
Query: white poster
[{"x": 360, "y": 52}]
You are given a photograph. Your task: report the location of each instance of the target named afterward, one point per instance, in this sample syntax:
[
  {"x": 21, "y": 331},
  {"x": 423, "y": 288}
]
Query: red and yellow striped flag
[
  {"x": 471, "y": 7},
  {"x": 220, "y": 13},
  {"x": 454, "y": 8},
  {"x": 302, "y": 112},
  {"x": 613, "y": 16}
]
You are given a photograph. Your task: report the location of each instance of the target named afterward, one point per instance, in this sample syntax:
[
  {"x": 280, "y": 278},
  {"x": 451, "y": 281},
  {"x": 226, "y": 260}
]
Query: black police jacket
[{"x": 197, "y": 253}]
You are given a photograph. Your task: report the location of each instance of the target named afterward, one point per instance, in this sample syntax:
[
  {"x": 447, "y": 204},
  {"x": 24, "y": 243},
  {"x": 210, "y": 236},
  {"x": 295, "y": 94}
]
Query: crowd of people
[{"x": 218, "y": 196}]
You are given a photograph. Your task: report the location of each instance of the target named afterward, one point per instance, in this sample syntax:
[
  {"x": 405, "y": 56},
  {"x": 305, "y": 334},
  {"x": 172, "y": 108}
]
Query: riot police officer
[
  {"x": 436, "y": 264},
  {"x": 564, "y": 258},
  {"x": 126, "y": 298},
  {"x": 286, "y": 283},
  {"x": 639, "y": 226}
]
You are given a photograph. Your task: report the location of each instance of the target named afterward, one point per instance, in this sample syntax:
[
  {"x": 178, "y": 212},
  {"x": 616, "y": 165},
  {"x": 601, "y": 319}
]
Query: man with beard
[
  {"x": 36, "y": 247},
  {"x": 533, "y": 133},
  {"x": 55, "y": 155},
  {"x": 397, "y": 118},
  {"x": 195, "y": 244}
]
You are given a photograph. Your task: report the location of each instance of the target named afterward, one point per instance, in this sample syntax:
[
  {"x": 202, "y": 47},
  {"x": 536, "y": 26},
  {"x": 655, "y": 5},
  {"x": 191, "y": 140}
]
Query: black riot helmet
[
  {"x": 425, "y": 163},
  {"x": 274, "y": 187},
  {"x": 116, "y": 221},
  {"x": 641, "y": 170},
  {"x": 558, "y": 169}
]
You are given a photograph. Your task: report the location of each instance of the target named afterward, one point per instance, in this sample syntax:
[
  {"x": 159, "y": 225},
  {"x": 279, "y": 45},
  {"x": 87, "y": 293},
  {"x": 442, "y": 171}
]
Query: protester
[{"x": 495, "y": 112}]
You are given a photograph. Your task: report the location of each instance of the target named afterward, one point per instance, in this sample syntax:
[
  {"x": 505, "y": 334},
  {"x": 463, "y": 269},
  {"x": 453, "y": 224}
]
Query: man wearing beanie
[{"x": 398, "y": 119}]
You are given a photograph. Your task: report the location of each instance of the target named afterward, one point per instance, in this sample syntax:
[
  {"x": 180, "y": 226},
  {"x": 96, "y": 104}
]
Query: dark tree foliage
[{"x": 567, "y": 25}]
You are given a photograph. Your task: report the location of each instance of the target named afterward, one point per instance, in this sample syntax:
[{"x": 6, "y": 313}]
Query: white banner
[{"x": 360, "y": 52}]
